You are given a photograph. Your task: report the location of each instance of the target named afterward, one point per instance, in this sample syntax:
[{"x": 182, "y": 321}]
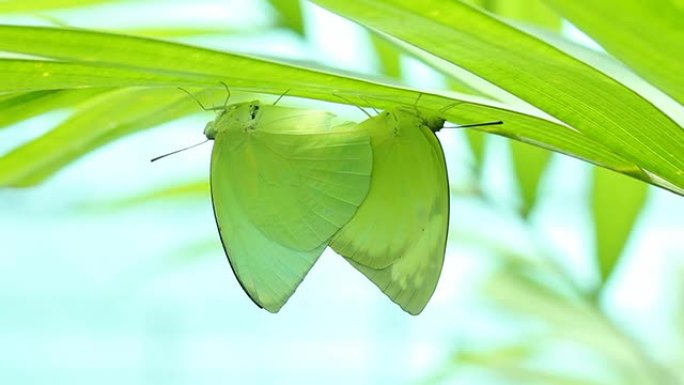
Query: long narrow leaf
[
  {"x": 388, "y": 56},
  {"x": 17, "y": 76},
  {"x": 646, "y": 35},
  {"x": 14, "y": 6},
  {"x": 16, "y": 107},
  {"x": 198, "y": 190},
  {"x": 121, "y": 61},
  {"x": 529, "y": 164},
  {"x": 477, "y": 142},
  {"x": 36, "y": 75},
  {"x": 534, "y": 12},
  {"x": 618, "y": 71},
  {"x": 458, "y": 80},
  {"x": 290, "y": 14},
  {"x": 98, "y": 122}
]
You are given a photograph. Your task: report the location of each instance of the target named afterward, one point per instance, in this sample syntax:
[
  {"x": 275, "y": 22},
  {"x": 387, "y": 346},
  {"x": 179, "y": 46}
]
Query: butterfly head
[
  {"x": 239, "y": 116},
  {"x": 428, "y": 118},
  {"x": 425, "y": 117},
  {"x": 431, "y": 120}
]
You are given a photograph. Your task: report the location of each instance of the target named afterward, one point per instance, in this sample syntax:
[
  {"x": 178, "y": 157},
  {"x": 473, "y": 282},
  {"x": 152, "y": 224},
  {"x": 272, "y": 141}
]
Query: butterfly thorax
[
  {"x": 433, "y": 121},
  {"x": 240, "y": 116}
]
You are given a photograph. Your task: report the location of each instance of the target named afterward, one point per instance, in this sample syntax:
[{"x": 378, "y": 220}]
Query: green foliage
[
  {"x": 15, "y": 6},
  {"x": 529, "y": 164},
  {"x": 647, "y": 36},
  {"x": 388, "y": 55},
  {"x": 477, "y": 141},
  {"x": 583, "y": 112},
  {"x": 616, "y": 204},
  {"x": 143, "y": 108},
  {"x": 565, "y": 88},
  {"x": 534, "y": 12},
  {"x": 188, "y": 190},
  {"x": 290, "y": 14},
  {"x": 552, "y": 94},
  {"x": 22, "y": 105}
]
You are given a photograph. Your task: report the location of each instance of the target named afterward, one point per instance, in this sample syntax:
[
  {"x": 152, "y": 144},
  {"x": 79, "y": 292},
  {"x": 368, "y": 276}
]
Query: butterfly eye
[{"x": 253, "y": 111}]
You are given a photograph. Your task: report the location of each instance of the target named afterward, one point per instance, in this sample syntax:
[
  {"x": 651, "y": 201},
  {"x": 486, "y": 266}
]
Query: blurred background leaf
[
  {"x": 182, "y": 191},
  {"x": 290, "y": 14},
  {"x": 616, "y": 202},
  {"x": 389, "y": 56},
  {"x": 14, "y": 6},
  {"x": 18, "y": 106},
  {"x": 529, "y": 164},
  {"x": 99, "y": 120}
]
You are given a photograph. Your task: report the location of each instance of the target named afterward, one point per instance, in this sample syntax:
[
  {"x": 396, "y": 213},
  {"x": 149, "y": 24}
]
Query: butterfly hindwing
[{"x": 301, "y": 189}]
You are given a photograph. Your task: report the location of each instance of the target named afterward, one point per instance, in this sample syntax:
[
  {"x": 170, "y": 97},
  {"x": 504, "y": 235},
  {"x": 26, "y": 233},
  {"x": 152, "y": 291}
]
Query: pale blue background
[{"x": 144, "y": 295}]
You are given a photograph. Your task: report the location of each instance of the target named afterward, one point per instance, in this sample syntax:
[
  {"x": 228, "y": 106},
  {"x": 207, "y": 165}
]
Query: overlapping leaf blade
[
  {"x": 91, "y": 59},
  {"x": 15, "y": 107},
  {"x": 562, "y": 86},
  {"x": 529, "y": 11},
  {"x": 290, "y": 14},
  {"x": 646, "y": 35},
  {"x": 529, "y": 164}
]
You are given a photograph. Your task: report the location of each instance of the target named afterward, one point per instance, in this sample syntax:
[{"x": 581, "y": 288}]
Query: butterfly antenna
[
  {"x": 415, "y": 104},
  {"x": 353, "y": 104},
  {"x": 177, "y": 151},
  {"x": 369, "y": 104},
  {"x": 495, "y": 123},
  {"x": 281, "y": 96},
  {"x": 448, "y": 107},
  {"x": 197, "y": 100}
]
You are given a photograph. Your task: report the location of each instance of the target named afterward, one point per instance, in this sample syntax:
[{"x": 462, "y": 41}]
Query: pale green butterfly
[
  {"x": 397, "y": 238},
  {"x": 283, "y": 182}
]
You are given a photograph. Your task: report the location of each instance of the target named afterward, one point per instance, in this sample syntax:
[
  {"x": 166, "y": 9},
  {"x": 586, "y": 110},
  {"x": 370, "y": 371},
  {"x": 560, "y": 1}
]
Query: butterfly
[
  {"x": 283, "y": 182},
  {"x": 397, "y": 238},
  {"x": 287, "y": 182}
]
